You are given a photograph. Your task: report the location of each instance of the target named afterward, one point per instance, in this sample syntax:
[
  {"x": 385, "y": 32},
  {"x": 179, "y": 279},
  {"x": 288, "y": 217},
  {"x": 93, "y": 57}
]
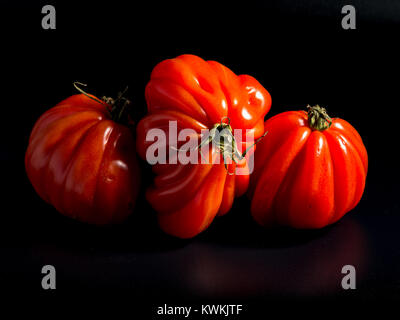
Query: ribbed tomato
[
  {"x": 309, "y": 170},
  {"x": 198, "y": 95},
  {"x": 82, "y": 162}
]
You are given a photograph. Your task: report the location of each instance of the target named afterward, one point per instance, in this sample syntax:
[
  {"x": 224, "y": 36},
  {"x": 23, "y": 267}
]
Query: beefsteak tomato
[
  {"x": 309, "y": 171},
  {"x": 198, "y": 95},
  {"x": 82, "y": 162}
]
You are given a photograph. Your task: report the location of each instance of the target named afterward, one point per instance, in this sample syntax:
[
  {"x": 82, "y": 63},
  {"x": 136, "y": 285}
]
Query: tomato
[
  {"x": 198, "y": 94},
  {"x": 309, "y": 170},
  {"x": 82, "y": 162}
]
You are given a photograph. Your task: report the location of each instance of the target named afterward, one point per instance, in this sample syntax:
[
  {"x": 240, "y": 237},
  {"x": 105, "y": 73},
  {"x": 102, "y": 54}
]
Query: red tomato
[
  {"x": 309, "y": 170},
  {"x": 82, "y": 162},
  {"x": 198, "y": 94}
]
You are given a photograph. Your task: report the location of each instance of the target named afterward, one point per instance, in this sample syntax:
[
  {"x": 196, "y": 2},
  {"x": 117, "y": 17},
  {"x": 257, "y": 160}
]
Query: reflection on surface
[
  {"x": 312, "y": 268},
  {"x": 257, "y": 263}
]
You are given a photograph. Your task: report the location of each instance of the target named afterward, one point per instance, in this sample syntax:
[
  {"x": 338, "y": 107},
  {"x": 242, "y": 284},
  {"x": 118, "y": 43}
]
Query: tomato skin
[
  {"x": 306, "y": 178},
  {"x": 83, "y": 163},
  {"x": 198, "y": 94}
]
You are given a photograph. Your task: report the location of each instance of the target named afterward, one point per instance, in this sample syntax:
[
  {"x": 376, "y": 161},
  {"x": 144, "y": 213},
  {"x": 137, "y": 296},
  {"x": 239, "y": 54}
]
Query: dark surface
[{"x": 300, "y": 53}]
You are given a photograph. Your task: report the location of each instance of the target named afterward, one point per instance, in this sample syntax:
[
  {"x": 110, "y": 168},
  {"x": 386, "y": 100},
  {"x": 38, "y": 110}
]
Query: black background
[{"x": 300, "y": 53}]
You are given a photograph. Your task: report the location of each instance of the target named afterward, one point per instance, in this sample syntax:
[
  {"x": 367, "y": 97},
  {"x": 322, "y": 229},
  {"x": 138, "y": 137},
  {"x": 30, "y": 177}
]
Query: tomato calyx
[
  {"x": 221, "y": 136},
  {"x": 318, "y": 118},
  {"x": 117, "y": 108}
]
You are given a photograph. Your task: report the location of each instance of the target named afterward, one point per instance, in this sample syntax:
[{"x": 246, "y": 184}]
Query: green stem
[
  {"x": 117, "y": 108},
  {"x": 76, "y": 83},
  {"x": 318, "y": 119}
]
